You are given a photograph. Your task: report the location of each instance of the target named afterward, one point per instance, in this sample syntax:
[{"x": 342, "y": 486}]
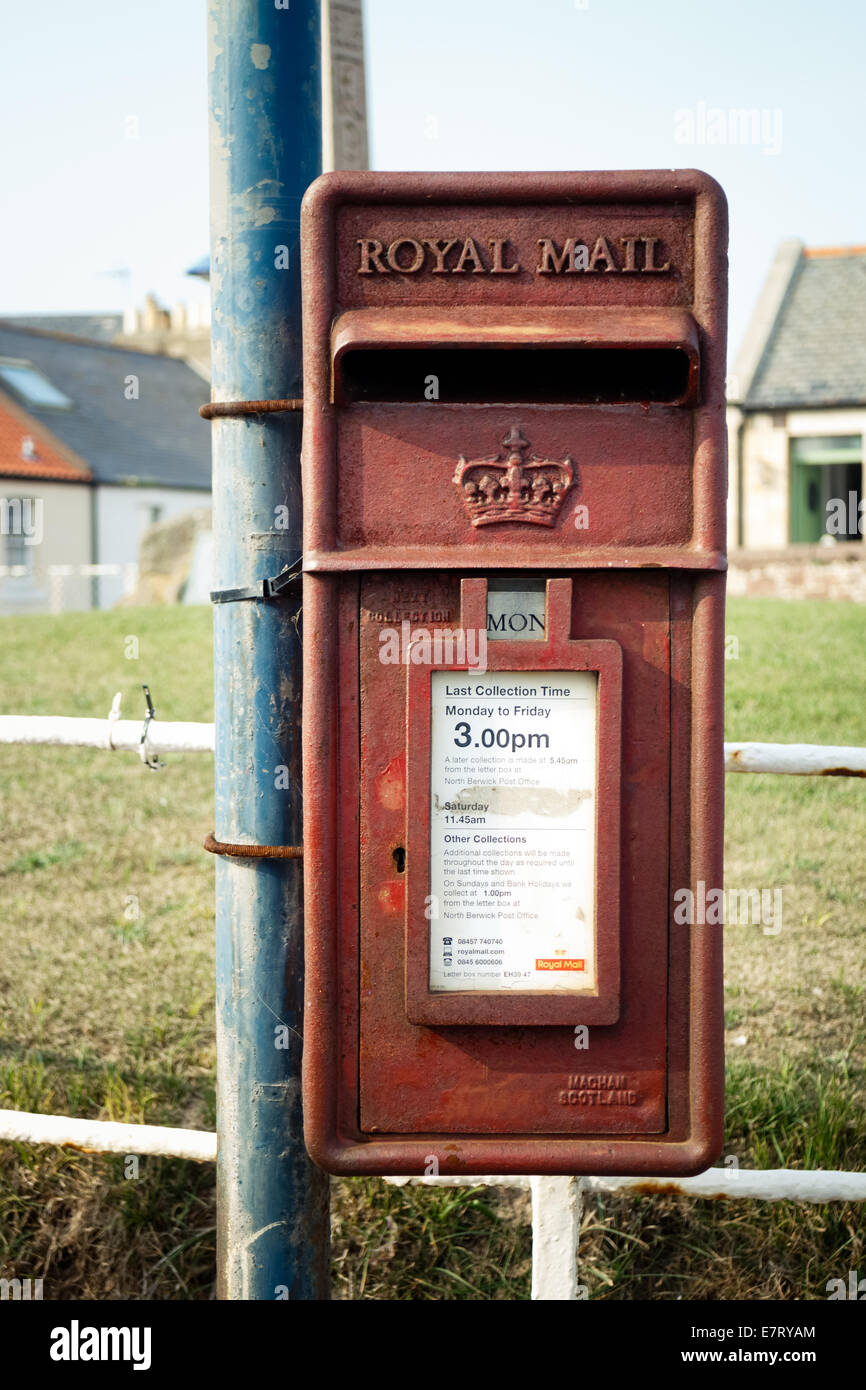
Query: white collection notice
[{"x": 512, "y": 830}]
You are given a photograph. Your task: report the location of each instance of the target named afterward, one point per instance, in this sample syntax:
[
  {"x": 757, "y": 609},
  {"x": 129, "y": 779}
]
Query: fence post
[
  {"x": 55, "y": 590},
  {"x": 265, "y": 139},
  {"x": 557, "y": 1205}
]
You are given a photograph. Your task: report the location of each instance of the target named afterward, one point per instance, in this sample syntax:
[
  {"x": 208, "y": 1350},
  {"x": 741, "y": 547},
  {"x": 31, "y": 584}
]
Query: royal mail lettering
[{"x": 638, "y": 254}]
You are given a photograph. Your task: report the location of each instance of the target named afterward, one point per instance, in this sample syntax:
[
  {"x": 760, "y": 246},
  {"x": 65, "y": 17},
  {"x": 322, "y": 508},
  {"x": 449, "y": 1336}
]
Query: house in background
[
  {"x": 44, "y": 516},
  {"x": 182, "y": 331},
  {"x": 797, "y": 404},
  {"x": 149, "y": 455},
  {"x": 130, "y": 418}
]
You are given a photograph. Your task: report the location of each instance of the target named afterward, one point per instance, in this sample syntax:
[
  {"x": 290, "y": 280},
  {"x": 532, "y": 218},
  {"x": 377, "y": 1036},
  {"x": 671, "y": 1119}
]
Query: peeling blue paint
[{"x": 265, "y": 150}]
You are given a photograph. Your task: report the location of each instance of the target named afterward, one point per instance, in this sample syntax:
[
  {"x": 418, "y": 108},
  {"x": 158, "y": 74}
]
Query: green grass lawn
[{"x": 107, "y": 996}]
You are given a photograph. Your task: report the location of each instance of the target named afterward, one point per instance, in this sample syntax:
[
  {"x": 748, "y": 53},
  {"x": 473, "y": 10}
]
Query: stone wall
[{"x": 834, "y": 571}]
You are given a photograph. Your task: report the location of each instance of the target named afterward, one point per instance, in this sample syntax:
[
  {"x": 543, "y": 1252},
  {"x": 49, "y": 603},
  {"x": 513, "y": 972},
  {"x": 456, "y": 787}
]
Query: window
[
  {"x": 18, "y": 552},
  {"x": 17, "y": 532},
  {"x": 827, "y": 488},
  {"x": 30, "y": 385}
]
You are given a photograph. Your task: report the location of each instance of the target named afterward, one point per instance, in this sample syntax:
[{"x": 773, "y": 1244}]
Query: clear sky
[{"x": 104, "y": 154}]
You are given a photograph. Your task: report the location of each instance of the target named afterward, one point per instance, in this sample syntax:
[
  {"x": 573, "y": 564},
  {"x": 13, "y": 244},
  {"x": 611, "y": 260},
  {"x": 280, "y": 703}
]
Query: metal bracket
[
  {"x": 151, "y": 760},
  {"x": 267, "y": 592}
]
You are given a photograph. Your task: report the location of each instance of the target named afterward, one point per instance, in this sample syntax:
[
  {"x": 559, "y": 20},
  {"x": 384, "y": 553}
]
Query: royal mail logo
[
  {"x": 560, "y": 964},
  {"x": 511, "y": 487}
]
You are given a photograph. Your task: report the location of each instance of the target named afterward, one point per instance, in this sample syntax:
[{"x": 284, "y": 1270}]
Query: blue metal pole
[{"x": 265, "y": 135}]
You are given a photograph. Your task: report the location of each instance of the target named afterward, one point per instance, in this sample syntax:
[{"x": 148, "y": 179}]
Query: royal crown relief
[
  {"x": 512, "y": 487},
  {"x": 624, "y": 255}
]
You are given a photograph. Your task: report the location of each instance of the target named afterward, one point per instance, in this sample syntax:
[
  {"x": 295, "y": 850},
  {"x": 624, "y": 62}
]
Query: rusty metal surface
[
  {"x": 388, "y": 533},
  {"x": 685, "y": 206},
  {"x": 617, "y": 458},
  {"x": 427, "y": 331},
  {"x": 510, "y": 557},
  {"x": 477, "y": 325},
  {"x": 237, "y": 851},
  {"x": 227, "y": 410},
  {"x": 499, "y": 1078}
]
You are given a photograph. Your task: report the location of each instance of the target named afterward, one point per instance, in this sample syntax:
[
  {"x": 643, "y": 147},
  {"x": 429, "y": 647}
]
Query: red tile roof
[
  {"x": 51, "y": 459},
  {"x": 817, "y": 252}
]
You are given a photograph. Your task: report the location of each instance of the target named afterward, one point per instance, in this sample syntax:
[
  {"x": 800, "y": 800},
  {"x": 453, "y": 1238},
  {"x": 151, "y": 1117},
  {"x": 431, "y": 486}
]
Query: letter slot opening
[{"x": 506, "y": 375}]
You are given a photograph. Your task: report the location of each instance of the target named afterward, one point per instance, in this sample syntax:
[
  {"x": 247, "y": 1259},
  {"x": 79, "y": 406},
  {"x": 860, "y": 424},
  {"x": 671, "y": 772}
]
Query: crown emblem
[{"x": 512, "y": 487}]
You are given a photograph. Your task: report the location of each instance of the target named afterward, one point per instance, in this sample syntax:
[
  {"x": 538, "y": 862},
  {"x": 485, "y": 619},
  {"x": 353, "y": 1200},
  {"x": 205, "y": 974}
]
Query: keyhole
[{"x": 400, "y": 859}]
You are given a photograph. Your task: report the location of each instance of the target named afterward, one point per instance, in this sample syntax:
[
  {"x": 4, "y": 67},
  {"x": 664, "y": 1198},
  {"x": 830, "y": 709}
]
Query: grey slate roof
[
  {"x": 159, "y": 438},
  {"x": 816, "y": 352},
  {"x": 102, "y": 328}
]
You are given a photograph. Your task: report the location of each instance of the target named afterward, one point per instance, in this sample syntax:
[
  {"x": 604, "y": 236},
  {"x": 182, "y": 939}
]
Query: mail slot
[{"x": 514, "y": 559}]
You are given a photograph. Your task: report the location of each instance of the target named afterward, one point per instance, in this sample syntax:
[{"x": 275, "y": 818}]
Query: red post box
[{"x": 514, "y": 500}]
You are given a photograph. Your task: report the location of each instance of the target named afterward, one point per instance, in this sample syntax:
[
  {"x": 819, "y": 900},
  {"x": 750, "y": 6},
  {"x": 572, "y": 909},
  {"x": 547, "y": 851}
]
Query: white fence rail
[
  {"x": 57, "y": 577},
  {"x": 765, "y": 1184},
  {"x": 118, "y": 735},
  {"x": 802, "y": 759},
  {"x": 124, "y": 735},
  {"x": 556, "y": 1202},
  {"x": 107, "y": 1136}
]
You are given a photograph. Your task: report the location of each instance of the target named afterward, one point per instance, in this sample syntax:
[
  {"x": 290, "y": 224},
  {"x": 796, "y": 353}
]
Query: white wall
[
  {"x": 123, "y": 513},
  {"x": 65, "y": 513},
  {"x": 733, "y": 418},
  {"x": 765, "y": 483},
  {"x": 825, "y": 422}
]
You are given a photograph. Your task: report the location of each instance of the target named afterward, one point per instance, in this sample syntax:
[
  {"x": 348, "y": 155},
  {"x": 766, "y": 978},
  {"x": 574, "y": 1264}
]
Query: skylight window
[{"x": 30, "y": 385}]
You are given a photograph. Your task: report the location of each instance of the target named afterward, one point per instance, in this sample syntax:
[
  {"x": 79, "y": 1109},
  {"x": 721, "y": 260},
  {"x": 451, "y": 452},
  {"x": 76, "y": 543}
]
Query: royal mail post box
[{"x": 514, "y": 557}]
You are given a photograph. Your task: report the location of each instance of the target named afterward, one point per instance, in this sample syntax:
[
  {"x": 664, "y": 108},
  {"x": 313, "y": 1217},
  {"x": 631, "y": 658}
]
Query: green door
[
  {"x": 826, "y": 471},
  {"x": 807, "y": 514}
]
